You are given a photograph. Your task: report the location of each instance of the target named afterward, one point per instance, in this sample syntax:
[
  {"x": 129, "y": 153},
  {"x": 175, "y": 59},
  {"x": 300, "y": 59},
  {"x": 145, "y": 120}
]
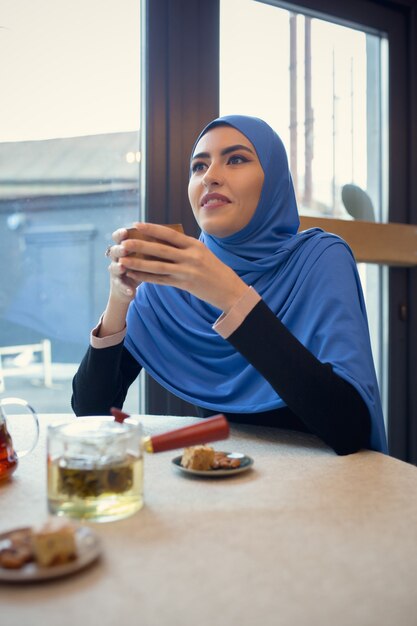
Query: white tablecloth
[{"x": 305, "y": 538}]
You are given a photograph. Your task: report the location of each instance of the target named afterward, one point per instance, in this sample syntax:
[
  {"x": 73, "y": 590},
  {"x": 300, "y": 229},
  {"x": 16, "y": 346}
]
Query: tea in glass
[
  {"x": 8, "y": 457},
  {"x": 95, "y": 469}
]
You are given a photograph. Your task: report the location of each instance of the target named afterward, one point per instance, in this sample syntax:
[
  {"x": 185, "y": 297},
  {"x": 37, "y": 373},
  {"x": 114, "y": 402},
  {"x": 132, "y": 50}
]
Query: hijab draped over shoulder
[{"x": 308, "y": 279}]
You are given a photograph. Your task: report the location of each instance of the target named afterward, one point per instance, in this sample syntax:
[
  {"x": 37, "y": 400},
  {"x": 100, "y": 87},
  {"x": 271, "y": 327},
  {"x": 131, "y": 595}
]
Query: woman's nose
[{"x": 213, "y": 175}]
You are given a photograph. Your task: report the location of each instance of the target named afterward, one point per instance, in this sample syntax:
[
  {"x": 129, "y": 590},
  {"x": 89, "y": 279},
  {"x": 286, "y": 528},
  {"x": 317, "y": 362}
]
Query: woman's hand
[
  {"x": 174, "y": 259},
  {"x": 122, "y": 287}
]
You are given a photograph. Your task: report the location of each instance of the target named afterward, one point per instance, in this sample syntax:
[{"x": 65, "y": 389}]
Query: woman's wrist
[
  {"x": 114, "y": 318},
  {"x": 234, "y": 293}
]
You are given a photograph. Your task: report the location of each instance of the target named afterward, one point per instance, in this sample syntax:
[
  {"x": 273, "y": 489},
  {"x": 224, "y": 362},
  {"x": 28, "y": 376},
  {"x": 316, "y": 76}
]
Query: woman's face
[{"x": 226, "y": 181}]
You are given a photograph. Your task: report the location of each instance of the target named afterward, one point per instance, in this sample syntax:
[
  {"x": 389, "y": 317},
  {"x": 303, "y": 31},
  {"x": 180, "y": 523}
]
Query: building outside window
[{"x": 70, "y": 156}]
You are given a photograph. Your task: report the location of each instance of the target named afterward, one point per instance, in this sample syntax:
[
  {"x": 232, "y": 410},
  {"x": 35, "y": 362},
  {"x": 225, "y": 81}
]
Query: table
[{"x": 304, "y": 538}]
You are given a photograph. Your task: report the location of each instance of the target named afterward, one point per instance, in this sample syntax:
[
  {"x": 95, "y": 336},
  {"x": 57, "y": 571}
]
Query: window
[
  {"x": 70, "y": 175},
  {"x": 323, "y": 87}
]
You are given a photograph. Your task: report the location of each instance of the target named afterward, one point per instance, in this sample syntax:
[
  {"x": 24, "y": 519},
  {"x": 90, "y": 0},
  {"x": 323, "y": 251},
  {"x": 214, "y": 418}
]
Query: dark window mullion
[{"x": 182, "y": 96}]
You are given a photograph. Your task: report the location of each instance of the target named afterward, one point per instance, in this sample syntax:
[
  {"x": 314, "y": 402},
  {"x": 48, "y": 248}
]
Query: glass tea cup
[
  {"x": 11, "y": 412},
  {"x": 95, "y": 469}
]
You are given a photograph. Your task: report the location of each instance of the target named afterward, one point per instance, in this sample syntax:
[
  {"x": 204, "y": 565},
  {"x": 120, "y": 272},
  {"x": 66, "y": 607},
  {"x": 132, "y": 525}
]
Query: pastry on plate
[
  {"x": 223, "y": 461},
  {"x": 16, "y": 548},
  {"x": 54, "y": 544},
  {"x": 198, "y": 458}
]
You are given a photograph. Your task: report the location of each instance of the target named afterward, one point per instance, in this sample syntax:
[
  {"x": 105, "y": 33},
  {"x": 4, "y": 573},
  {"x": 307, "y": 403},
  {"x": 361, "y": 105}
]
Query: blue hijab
[{"x": 169, "y": 331}]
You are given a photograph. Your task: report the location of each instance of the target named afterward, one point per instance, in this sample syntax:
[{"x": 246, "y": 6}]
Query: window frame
[{"x": 181, "y": 96}]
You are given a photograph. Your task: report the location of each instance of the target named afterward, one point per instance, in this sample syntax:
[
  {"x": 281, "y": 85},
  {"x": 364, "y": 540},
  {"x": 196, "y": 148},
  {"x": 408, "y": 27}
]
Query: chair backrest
[{"x": 372, "y": 242}]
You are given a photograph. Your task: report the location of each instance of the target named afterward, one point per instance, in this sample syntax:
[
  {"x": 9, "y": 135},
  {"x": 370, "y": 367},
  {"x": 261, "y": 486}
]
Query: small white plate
[
  {"x": 246, "y": 463},
  {"x": 88, "y": 550}
]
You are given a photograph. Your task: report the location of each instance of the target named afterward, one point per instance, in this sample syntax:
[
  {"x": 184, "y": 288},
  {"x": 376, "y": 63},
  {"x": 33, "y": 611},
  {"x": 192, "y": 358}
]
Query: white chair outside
[{"x": 23, "y": 363}]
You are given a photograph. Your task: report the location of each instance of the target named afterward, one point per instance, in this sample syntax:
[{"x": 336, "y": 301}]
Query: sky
[
  {"x": 68, "y": 68},
  {"x": 254, "y": 80}
]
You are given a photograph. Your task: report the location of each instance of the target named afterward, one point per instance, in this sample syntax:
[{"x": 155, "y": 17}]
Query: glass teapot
[
  {"x": 12, "y": 409},
  {"x": 95, "y": 464}
]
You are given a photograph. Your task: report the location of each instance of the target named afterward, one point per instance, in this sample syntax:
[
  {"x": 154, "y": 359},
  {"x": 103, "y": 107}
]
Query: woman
[{"x": 254, "y": 320}]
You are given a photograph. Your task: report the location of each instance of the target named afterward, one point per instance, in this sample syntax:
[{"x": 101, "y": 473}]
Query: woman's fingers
[
  {"x": 163, "y": 256},
  {"x": 127, "y": 270},
  {"x": 119, "y": 234},
  {"x": 191, "y": 267},
  {"x": 117, "y": 251},
  {"x": 114, "y": 252},
  {"x": 155, "y": 256},
  {"x": 164, "y": 264},
  {"x": 135, "y": 256},
  {"x": 161, "y": 233},
  {"x": 122, "y": 285},
  {"x": 158, "y": 241}
]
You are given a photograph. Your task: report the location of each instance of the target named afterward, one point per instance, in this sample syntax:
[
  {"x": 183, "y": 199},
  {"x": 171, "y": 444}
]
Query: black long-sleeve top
[{"x": 318, "y": 400}]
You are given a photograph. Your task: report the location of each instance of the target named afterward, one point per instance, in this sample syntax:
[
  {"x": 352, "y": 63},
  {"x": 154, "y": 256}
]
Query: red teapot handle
[{"x": 211, "y": 429}]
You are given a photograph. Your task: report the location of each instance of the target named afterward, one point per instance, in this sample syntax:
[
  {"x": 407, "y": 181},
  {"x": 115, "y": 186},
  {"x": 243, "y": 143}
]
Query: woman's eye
[
  {"x": 198, "y": 167},
  {"x": 236, "y": 159}
]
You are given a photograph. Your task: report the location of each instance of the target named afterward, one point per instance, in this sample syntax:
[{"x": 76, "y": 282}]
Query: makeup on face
[{"x": 226, "y": 181}]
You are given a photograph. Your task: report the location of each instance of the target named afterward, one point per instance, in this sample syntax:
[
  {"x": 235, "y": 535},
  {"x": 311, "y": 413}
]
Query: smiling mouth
[{"x": 214, "y": 201}]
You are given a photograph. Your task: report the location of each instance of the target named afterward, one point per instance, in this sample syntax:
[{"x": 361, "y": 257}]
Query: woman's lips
[{"x": 213, "y": 200}]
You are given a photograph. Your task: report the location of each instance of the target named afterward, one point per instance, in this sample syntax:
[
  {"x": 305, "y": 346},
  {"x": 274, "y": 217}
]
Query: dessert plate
[
  {"x": 246, "y": 463},
  {"x": 88, "y": 550}
]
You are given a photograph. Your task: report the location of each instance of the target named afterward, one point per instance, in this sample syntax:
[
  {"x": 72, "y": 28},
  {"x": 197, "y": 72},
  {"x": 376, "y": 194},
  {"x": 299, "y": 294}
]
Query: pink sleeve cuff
[
  {"x": 105, "y": 342},
  {"x": 226, "y": 324}
]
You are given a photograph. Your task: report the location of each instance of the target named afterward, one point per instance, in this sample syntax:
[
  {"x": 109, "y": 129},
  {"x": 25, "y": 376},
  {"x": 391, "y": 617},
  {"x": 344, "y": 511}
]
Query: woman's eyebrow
[{"x": 238, "y": 146}]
